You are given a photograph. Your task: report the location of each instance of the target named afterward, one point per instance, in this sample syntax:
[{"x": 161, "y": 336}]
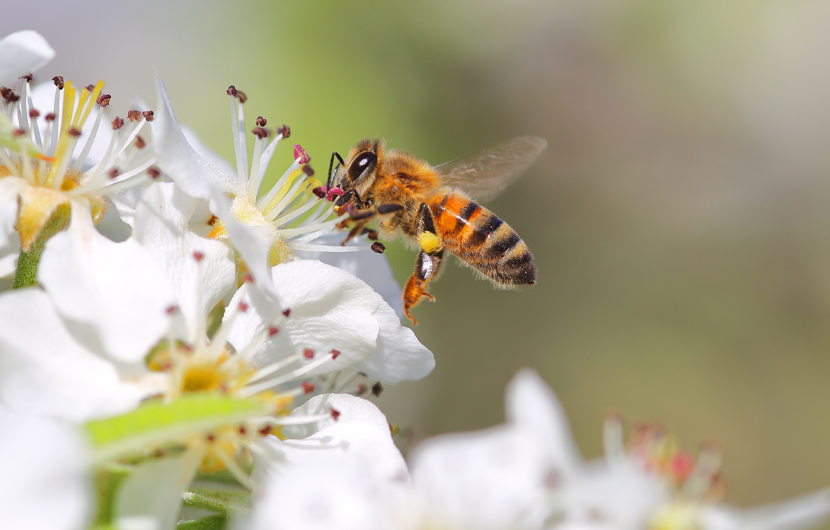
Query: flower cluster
[{"x": 167, "y": 343}]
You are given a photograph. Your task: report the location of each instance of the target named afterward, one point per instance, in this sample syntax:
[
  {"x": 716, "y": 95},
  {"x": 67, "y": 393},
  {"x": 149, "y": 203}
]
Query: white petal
[
  {"x": 112, "y": 225},
  {"x": 620, "y": 497},
  {"x": 9, "y": 190},
  {"x": 340, "y": 495},
  {"x": 794, "y": 514},
  {"x": 399, "y": 355},
  {"x": 46, "y": 481},
  {"x": 203, "y": 179},
  {"x": 330, "y": 309},
  {"x": 370, "y": 267},
  {"x": 491, "y": 479},
  {"x": 22, "y": 53},
  {"x": 151, "y": 497},
  {"x": 161, "y": 227},
  {"x": 531, "y": 405},
  {"x": 44, "y": 371},
  {"x": 117, "y": 294},
  {"x": 360, "y": 434}
]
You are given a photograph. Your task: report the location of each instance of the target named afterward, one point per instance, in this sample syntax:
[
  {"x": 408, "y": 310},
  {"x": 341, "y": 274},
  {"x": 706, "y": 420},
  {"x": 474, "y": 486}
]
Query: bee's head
[{"x": 359, "y": 169}]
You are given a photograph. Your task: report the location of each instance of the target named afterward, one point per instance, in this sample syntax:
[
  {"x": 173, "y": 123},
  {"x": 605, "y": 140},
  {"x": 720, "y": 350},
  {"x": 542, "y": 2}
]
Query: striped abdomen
[{"x": 482, "y": 240}]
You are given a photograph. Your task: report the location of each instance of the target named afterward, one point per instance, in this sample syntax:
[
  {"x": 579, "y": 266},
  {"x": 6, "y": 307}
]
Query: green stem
[{"x": 27, "y": 262}]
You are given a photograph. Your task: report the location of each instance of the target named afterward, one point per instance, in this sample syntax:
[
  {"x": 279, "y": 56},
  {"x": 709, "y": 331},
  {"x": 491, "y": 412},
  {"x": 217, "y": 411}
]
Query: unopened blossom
[
  {"x": 45, "y": 162},
  {"x": 264, "y": 227}
]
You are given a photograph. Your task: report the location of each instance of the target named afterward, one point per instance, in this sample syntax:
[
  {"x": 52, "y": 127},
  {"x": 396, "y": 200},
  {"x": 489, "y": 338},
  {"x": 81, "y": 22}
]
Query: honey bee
[{"x": 434, "y": 208}]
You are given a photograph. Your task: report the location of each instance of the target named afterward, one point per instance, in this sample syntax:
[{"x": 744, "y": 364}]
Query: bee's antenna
[{"x": 331, "y": 165}]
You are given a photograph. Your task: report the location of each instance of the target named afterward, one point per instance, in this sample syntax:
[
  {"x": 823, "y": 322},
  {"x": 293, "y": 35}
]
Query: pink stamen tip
[
  {"x": 198, "y": 256},
  {"x": 682, "y": 465},
  {"x": 319, "y": 191},
  {"x": 243, "y": 306},
  {"x": 308, "y": 353},
  {"x": 334, "y": 192},
  {"x": 248, "y": 279},
  {"x": 273, "y": 330},
  {"x": 172, "y": 309},
  {"x": 300, "y": 155},
  {"x": 335, "y": 414},
  {"x": 308, "y": 388},
  {"x": 286, "y": 312},
  {"x": 334, "y": 354}
]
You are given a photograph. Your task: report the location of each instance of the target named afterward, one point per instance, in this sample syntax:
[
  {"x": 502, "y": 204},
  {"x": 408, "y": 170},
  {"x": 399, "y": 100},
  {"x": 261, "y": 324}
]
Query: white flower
[
  {"x": 21, "y": 53},
  {"x": 265, "y": 229},
  {"x": 45, "y": 155},
  {"x": 46, "y": 480}
]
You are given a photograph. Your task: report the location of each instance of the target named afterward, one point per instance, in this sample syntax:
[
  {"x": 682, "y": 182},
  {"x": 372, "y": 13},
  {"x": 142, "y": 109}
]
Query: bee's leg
[
  {"x": 356, "y": 229},
  {"x": 427, "y": 263},
  {"x": 370, "y": 233},
  {"x": 426, "y": 267}
]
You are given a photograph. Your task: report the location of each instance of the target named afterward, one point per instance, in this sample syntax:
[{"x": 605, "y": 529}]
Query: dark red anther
[
  {"x": 273, "y": 330},
  {"x": 319, "y": 191},
  {"x": 243, "y": 307},
  {"x": 308, "y": 353},
  {"x": 34, "y": 113},
  {"x": 210, "y": 438},
  {"x": 172, "y": 309},
  {"x": 74, "y": 132},
  {"x": 153, "y": 173},
  {"x": 90, "y": 88},
  {"x": 103, "y": 100},
  {"x": 248, "y": 278},
  {"x": 198, "y": 256},
  {"x": 112, "y": 173},
  {"x": 334, "y": 354},
  {"x": 378, "y": 247},
  {"x": 265, "y": 431},
  {"x": 17, "y": 133},
  {"x": 231, "y": 91},
  {"x": 308, "y": 388},
  {"x": 139, "y": 142},
  {"x": 133, "y": 115},
  {"x": 149, "y": 115},
  {"x": 332, "y": 193},
  {"x": 242, "y": 430},
  {"x": 300, "y": 155},
  {"x": 262, "y": 122},
  {"x": 335, "y": 414},
  {"x": 377, "y": 389},
  {"x": 28, "y": 77},
  {"x": 308, "y": 171},
  {"x": 285, "y": 131},
  {"x": 260, "y": 132},
  {"x": 6, "y": 93},
  {"x": 286, "y": 312},
  {"x": 361, "y": 389},
  {"x": 58, "y": 80},
  {"x": 117, "y": 123},
  {"x": 50, "y": 117},
  {"x": 241, "y": 96},
  {"x": 12, "y": 96}
]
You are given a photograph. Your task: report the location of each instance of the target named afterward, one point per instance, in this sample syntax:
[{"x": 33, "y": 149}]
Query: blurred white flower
[
  {"x": 265, "y": 230},
  {"x": 46, "y": 480}
]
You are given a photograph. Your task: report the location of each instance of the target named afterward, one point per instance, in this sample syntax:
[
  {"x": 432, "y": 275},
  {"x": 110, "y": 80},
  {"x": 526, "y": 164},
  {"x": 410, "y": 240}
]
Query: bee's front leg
[{"x": 427, "y": 264}]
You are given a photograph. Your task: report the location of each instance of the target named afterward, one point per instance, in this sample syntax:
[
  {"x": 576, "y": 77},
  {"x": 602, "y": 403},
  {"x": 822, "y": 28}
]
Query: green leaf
[
  {"x": 219, "y": 500},
  {"x": 156, "y": 424},
  {"x": 211, "y": 522}
]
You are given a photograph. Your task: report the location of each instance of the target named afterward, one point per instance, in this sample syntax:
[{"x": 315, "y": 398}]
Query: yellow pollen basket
[{"x": 429, "y": 242}]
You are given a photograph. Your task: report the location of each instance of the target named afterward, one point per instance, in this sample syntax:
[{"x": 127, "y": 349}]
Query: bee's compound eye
[{"x": 361, "y": 163}]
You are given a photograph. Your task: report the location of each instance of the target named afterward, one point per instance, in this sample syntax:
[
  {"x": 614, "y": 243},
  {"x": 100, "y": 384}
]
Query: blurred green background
[{"x": 679, "y": 218}]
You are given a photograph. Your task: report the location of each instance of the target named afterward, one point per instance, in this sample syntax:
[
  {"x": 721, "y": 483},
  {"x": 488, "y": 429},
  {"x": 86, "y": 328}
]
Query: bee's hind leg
[{"x": 427, "y": 263}]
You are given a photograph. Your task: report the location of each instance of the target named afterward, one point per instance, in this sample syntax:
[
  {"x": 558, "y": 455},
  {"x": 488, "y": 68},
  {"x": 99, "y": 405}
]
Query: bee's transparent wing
[{"x": 485, "y": 174}]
